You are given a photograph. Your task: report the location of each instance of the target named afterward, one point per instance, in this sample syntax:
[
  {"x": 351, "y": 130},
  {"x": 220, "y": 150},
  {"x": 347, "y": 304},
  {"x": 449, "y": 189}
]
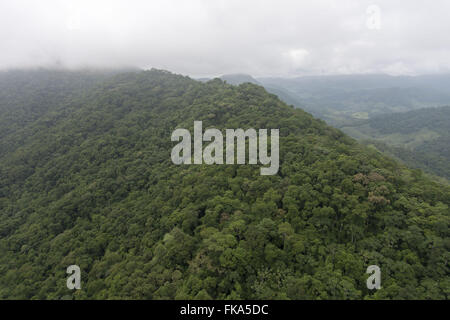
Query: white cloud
[
  {"x": 298, "y": 57},
  {"x": 212, "y": 37}
]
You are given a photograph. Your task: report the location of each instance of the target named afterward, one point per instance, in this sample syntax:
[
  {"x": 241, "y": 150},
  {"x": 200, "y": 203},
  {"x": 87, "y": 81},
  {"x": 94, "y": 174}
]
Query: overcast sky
[{"x": 209, "y": 37}]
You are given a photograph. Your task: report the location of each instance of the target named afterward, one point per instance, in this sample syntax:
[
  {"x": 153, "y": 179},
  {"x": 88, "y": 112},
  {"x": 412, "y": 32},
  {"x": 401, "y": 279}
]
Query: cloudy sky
[{"x": 212, "y": 37}]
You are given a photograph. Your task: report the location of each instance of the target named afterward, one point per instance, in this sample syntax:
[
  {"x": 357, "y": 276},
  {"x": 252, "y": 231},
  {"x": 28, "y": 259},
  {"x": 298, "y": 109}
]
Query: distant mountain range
[
  {"x": 420, "y": 138},
  {"x": 340, "y": 100},
  {"x": 377, "y": 109}
]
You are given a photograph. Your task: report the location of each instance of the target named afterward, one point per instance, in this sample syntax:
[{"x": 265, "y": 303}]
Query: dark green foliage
[
  {"x": 432, "y": 161},
  {"x": 90, "y": 182}
]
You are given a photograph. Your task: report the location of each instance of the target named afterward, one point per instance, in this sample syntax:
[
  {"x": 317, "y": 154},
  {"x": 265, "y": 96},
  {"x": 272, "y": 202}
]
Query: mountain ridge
[{"x": 91, "y": 183}]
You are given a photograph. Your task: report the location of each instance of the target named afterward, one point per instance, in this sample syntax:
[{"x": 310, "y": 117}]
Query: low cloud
[{"x": 209, "y": 37}]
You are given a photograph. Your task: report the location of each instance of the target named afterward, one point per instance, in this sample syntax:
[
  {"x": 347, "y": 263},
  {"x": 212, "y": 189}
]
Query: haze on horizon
[{"x": 209, "y": 37}]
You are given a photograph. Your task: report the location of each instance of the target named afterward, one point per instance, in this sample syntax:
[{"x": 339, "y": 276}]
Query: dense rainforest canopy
[{"x": 86, "y": 178}]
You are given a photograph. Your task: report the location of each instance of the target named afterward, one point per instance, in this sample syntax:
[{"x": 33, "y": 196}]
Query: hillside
[
  {"x": 27, "y": 95},
  {"x": 420, "y": 138},
  {"x": 238, "y": 78},
  {"x": 90, "y": 182}
]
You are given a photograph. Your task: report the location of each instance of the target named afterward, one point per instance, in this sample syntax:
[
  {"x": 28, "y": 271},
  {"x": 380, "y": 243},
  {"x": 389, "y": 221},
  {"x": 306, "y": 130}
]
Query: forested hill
[
  {"x": 437, "y": 119},
  {"x": 420, "y": 138},
  {"x": 26, "y": 95},
  {"x": 90, "y": 182}
]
